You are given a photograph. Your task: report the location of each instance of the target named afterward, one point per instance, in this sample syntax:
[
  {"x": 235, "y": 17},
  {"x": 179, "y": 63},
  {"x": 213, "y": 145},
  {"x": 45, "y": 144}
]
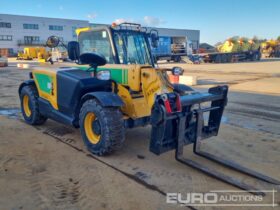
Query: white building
[{"x": 18, "y": 31}]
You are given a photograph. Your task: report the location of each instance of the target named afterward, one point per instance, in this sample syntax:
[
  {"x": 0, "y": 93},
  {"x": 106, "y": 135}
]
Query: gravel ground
[{"x": 48, "y": 167}]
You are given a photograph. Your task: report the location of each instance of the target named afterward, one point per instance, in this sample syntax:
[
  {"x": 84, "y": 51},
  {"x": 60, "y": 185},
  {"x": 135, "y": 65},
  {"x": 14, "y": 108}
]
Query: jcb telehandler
[{"x": 116, "y": 85}]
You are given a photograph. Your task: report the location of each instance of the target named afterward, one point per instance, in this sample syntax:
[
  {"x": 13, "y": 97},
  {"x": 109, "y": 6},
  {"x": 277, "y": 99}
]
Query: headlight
[
  {"x": 177, "y": 71},
  {"x": 103, "y": 75}
]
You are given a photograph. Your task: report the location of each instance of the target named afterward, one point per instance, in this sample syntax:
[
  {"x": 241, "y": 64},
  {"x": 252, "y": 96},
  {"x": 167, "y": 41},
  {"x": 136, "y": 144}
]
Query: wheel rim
[
  {"x": 26, "y": 106},
  {"x": 92, "y": 136}
]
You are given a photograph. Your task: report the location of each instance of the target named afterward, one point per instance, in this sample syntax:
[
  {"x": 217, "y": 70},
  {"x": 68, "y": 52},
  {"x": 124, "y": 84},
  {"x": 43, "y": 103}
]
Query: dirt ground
[{"x": 48, "y": 167}]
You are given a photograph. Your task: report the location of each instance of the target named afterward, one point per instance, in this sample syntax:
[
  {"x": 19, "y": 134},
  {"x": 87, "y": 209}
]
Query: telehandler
[{"x": 116, "y": 85}]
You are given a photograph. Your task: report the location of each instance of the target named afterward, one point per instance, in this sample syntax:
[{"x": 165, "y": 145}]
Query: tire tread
[{"x": 112, "y": 118}]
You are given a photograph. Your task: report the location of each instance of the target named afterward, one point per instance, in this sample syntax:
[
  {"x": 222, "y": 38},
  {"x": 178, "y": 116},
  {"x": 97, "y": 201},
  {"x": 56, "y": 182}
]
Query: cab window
[
  {"x": 132, "y": 48},
  {"x": 96, "y": 41}
]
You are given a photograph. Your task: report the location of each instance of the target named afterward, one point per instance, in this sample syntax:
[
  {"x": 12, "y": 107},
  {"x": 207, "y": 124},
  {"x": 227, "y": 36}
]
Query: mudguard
[
  {"x": 25, "y": 83},
  {"x": 106, "y": 99}
]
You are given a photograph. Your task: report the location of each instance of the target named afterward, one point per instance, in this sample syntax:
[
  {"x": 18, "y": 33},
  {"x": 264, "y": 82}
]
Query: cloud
[
  {"x": 146, "y": 21},
  {"x": 122, "y": 20},
  {"x": 92, "y": 15},
  {"x": 152, "y": 21}
]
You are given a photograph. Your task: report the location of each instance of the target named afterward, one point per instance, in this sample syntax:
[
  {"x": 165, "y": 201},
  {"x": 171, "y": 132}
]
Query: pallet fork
[{"x": 176, "y": 124}]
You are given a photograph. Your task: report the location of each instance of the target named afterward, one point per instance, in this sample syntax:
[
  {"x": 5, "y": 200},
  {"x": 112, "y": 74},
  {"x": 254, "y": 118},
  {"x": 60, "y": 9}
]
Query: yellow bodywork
[
  {"x": 138, "y": 94},
  {"x": 79, "y": 30},
  {"x": 154, "y": 82},
  {"x": 144, "y": 83},
  {"x": 139, "y": 104},
  {"x": 134, "y": 74}
]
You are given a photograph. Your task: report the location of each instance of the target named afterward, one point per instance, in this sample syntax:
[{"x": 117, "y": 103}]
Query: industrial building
[
  {"x": 17, "y": 32},
  {"x": 178, "y": 35}
]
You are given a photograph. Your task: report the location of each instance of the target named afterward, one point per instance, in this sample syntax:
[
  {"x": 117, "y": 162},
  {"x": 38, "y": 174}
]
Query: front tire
[
  {"x": 30, "y": 107},
  {"x": 102, "y": 128}
]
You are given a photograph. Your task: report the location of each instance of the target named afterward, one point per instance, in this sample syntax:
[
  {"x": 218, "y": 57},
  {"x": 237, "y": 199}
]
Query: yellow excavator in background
[
  {"x": 271, "y": 48},
  {"x": 30, "y": 53}
]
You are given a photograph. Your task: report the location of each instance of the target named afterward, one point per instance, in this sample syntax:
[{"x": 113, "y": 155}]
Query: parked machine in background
[
  {"x": 271, "y": 48},
  {"x": 234, "y": 50},
  {"x": 28, "y": 53},
  {"x": 59, "y": 54},
  {"x": 43, "y": 55}
]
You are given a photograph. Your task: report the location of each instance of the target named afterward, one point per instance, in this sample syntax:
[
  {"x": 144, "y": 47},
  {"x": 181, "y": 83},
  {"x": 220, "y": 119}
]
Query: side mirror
[
  {"x": 154, "y": 38},
  {"x": 52, "y": 42},
  {"x": 73, "y": 49},
  {"x": 177, "y": 71}
]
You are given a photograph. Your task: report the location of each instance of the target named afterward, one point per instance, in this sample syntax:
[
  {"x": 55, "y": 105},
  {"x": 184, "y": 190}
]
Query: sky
[{"x": 217, "y": 20}]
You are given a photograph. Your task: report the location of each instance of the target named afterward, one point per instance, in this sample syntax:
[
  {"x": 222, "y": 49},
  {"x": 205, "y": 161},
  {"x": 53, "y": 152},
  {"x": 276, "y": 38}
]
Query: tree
[
  {"x": 278, "y": 38},
  {"x": 218, "y": 43},
  {"x": 255, "y": 38}
]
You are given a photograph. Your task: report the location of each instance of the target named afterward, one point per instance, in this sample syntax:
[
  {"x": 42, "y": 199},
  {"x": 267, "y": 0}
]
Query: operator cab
[{"x": 126, "y": 43}]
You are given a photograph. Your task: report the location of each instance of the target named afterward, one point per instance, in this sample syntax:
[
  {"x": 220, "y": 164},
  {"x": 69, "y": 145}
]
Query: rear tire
[
  {"x": 102, "y": 128},
  {"x": 30, "y": 107}
]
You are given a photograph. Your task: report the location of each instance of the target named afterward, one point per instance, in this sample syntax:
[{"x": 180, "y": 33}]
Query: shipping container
[
  {"x": 164, "y": 46},
  {"x": 172, "y": 48}
]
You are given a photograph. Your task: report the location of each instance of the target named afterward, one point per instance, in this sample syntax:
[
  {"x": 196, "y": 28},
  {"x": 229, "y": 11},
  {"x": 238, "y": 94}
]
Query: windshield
[
  {"x": 132, "y": 47},
  {"x": 96, "y": 41}
]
